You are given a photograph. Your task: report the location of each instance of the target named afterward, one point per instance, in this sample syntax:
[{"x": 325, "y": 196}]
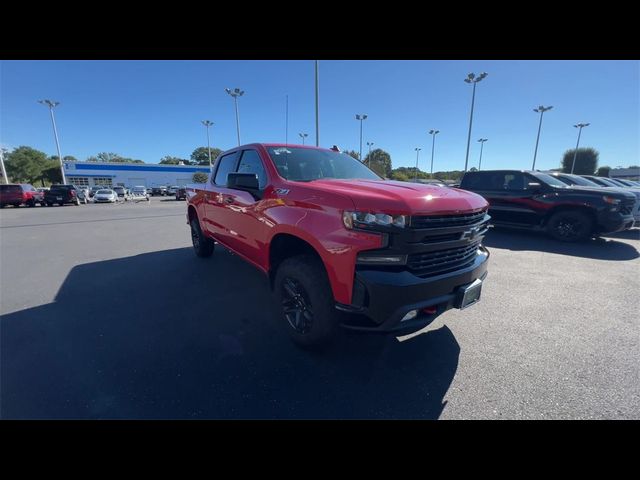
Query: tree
[
  {"x": 69, "y": 158},
  {"x": 51, "y": 175},
  {"x": 586, "y": 161},
  {"x": 200, "y": 155},
  {"x": 26, "y": 164},
  {"x": 396, "y": 175},
  {"x": 473, "y": 169},
  {"x": 603, "y": 171},
  {"x": 200, "y": 177},
  {"x": 352, "y": 153},
  {"x": 169, "y": 160},
  {"x": 380, "y": 162},
  {"x": 112, "y": 158}
]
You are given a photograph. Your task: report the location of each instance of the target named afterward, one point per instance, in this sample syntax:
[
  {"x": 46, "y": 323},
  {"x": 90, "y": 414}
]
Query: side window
[
  {"x": 515, "y": 181},
  {"x": 226, "y": 165},
  {"x": 251, "y": 163},
  {"x": 478, "y": 181}
]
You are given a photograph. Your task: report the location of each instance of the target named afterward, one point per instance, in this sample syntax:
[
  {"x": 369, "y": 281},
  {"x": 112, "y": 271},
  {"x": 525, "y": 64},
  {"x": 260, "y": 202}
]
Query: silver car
[{"x": 105, "y": 196}]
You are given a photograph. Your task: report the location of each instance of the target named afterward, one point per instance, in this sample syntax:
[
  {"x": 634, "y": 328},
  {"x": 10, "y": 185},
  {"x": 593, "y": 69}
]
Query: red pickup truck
[{"x": 340, "y": 245}]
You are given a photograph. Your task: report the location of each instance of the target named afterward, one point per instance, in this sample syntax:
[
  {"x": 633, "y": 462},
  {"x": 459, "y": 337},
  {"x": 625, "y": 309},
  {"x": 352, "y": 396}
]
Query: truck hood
[
  {"x": 623, "y": 192},
  {"x": 402, "y": 198}
]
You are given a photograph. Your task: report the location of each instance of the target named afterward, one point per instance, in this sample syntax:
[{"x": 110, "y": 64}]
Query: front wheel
[
  {"x": 570, "y": 226},
  {"x": 202, "y": 245},
  {"x": 304, "y": 295}
]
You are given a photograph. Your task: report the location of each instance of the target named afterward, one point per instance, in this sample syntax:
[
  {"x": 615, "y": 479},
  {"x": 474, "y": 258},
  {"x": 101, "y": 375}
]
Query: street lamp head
[
  {"x": 303, "y": 135},
  {"x": 482, "y": 140},
  {"x": 361, "y": 117},
  {"x": 236, "y": 92},
  {"x": 433, "y": 132},
  {"x": 417, "y": 149},
  {"x": 580, "y": 125},
  {"x": 471, "y": 76},
  {"x": 49, "y": 103},
  {"x": 482, "y": 75},
  {"x": 207, "y": 123}
]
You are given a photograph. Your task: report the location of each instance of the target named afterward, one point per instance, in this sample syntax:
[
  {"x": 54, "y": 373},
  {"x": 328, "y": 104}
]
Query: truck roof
[{"x": 269, "y": 144}]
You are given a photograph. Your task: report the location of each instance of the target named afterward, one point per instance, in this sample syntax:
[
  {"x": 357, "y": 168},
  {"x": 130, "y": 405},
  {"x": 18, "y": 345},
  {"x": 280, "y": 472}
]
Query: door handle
[{"x": 228, "y": 199}]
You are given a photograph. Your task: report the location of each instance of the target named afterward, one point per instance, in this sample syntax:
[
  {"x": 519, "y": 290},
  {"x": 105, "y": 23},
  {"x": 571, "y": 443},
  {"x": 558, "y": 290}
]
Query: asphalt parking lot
[{"x": 107, "y": 313}]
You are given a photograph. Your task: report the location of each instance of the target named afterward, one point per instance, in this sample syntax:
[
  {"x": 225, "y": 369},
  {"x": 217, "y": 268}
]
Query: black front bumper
[
  {"x": 611, "y": 222},
  {"x": 383, "y": 298}
]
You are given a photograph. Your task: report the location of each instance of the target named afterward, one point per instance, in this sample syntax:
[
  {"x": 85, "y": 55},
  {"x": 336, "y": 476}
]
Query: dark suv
[
  {"x": 535, "y": 200},
  {"x": 62, "y": 194}
]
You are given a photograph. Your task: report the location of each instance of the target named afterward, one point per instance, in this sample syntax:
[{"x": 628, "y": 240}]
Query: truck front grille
[
  {"x": 627, "y": 207},
  {"x": 445, "y": 221},
  {"x": 431, "y": 263}
]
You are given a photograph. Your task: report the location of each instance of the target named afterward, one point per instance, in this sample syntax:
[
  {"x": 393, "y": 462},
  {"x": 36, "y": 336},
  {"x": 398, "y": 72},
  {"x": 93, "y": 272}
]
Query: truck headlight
[
  {"x": 611, "y": 200},
  {"x": 365, "y": 220}
]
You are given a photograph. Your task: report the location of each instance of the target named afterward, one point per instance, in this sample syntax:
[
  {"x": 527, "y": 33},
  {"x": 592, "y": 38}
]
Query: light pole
[
  {"x": 4, "y": 171},
  {"x": 540, "y": 109},
  {"x": 415, "y": 177},
  {"x": 207, "y": 124},
  {"x": 317, "y": 106},
  {"x": 51, "y": 104},
  {"x": 369, "y": 144},
  {"x": 579, "y": 126},
  {"x": 235, "y": 93},
  {"x": 361, "y": 117},
  {"x": 481, "y": 140},
  {"x": 433, "y": 146},
  {"x": 303, "y": 136},
  {"x": 471, "y": 78}
]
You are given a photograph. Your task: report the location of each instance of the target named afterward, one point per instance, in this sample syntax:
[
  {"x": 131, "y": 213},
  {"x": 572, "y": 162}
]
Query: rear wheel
[
  {"x": 305, "y": 298},
  {"x": 31, "y": 203},
  {"x": 16, "y": 205},
  {"x": 61, "y": 204},
  {"x": 202, "y": 245},
  {"x": 570, "y": 226}
]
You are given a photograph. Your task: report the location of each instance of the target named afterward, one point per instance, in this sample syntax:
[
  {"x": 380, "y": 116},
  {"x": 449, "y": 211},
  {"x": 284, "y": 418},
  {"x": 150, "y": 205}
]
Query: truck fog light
[{"x": 410, "y": 316}]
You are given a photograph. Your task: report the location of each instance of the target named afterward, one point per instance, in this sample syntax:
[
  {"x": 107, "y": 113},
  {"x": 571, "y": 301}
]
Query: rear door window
[
  {"x": 226, "y": 165},
  {"x": 479, "y": 181}
]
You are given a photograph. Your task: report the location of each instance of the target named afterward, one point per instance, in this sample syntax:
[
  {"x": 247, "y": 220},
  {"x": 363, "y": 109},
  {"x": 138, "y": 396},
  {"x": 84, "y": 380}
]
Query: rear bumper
[{"x": 386, "y": 297}]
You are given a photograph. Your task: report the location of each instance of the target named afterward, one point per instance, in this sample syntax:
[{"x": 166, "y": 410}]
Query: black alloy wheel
[{"x": 296, "y": 306}]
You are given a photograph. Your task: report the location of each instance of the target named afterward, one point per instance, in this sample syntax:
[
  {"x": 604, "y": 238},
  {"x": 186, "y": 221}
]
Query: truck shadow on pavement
[
  {"x": 167, "y": 335},
  {"x": 598, "y": 249}
]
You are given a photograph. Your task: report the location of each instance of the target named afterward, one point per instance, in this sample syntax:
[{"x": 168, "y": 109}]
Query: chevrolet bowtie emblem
[{"x": 470, "y": 234}]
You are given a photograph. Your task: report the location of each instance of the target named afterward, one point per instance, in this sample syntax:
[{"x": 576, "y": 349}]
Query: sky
[{"x": 149, "y": 109}]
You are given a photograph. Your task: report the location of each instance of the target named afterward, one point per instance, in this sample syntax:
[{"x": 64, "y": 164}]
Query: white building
[
  {"x": 130, "y": 174},
  {"x": 628, "y": 173}
]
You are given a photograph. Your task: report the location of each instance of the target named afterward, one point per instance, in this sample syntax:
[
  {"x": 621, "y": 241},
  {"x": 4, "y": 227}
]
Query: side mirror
[{"x": 243, "y": 181}]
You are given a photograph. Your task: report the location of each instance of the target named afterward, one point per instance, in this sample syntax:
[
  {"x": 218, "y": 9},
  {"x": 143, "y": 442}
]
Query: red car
[
  {"x": 334, "y": 237},
  {"x": 20, "y": 194}
]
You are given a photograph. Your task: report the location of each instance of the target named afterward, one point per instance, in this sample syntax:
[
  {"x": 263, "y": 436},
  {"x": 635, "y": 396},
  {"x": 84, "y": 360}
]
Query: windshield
[
  {"x": 103, "y": 192},
  {"x": 616, "y": 182},
  {"x": 550, "y": 180},
  {"x": 575, "y": 180},
  {"x": 606, "y": 182},
  {"x": 307, "y": 164}
]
